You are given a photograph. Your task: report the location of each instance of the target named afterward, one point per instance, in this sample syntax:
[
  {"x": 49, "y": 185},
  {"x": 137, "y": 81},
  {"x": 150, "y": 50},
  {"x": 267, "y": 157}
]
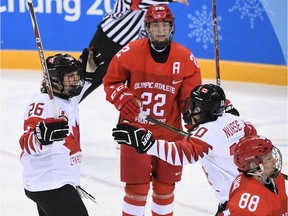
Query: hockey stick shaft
[
  {"x": 216, "y": 45},
  {"x": 176, "y": 130},
  {"x": 155, "y": 121},
  {"x": 42, "y": 57}
]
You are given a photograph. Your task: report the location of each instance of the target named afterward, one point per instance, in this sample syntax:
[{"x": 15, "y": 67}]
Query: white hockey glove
[
  {"x": 133, "y": 135},
  {"x": 90, "y": 60}
]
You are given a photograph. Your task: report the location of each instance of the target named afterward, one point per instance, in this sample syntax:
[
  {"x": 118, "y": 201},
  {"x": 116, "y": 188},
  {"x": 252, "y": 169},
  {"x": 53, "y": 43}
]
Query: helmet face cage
[
  {"x": 249, "y": 154},
  {"x": 276, "y": 154},
  {"x": 157, "y": 14},
  {"x": 60, "y": 65},
  {"x": 187, "y": 111},
  {"x": 207, "y": 102}
]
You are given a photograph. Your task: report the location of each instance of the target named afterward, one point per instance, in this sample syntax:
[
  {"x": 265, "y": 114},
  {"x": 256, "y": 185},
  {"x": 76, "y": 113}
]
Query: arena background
[{"x": 252, "y": 34}]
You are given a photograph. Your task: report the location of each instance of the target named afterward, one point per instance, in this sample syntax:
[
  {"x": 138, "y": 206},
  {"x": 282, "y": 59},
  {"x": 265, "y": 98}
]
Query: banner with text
[{"x": 248, "y": 31}]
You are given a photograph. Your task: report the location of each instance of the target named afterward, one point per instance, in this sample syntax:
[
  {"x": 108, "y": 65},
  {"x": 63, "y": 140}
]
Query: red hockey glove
[
  {"x": 229, "y": 108},
  {"x": 124, "y": 100},
  {"x": 50, "y": 130},
  {"x": 134, "y": 135}
]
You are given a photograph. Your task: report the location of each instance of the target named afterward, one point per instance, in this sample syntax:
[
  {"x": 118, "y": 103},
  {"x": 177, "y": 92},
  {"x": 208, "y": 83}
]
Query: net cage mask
[
  {"x": 250, "y": 152},
  {"x": 205, "y": 103},
  {"x": 61, "y": 65},
  {"x": 159, "y": 13}
]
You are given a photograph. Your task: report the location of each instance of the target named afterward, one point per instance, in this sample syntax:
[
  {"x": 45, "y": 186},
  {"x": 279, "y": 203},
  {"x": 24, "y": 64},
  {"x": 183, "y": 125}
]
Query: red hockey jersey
[
  {"x": 161, "y": 87},
  {"x": 250, "y": 197}
]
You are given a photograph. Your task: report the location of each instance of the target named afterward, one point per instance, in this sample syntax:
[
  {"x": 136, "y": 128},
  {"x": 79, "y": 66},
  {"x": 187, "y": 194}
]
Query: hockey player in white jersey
[
  {"x": 211, "y": 139},
  {"x": 51, "y": 152}
]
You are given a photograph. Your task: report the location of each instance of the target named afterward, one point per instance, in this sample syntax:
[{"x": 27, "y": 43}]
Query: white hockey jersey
[
  {"x": 212, "y": 144},
  {"x": 47, "y": 167}
]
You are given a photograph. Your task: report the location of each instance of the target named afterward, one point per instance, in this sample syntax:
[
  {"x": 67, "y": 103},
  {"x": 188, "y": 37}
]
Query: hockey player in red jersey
[
  {"x": 153, "y": 75},
  {"x": 124, "y": 23},
  {"x": 260, "y": 188},
  {"x": 51, "y": 152},
  {"x": 211, "y": 140}
]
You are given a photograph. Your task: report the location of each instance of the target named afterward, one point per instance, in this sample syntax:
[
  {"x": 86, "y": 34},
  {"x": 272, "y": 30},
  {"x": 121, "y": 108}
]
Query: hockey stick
[
  {"x": 216, "y": 47},
  {"x": 83, "y": 193},
  {"x": 42, "y": 58},
  {"x": 155, "y": 121},
  {"x": 176, "y": 130}
]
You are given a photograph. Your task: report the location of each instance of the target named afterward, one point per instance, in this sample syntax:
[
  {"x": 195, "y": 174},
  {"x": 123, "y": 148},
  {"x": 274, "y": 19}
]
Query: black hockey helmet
[
  {"x": 206, "y": 103},
  {"x": 58, "y": 66}
]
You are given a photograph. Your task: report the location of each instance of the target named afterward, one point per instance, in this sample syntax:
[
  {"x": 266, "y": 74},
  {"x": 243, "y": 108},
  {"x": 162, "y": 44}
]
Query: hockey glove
[
  {"x": 124, "y": 100},
  {"x": 90, "y": 60},
  {"x": 133, "y": 135},
  {"x": 229, "y": 108},
  {"x": 50, "y": 130}
]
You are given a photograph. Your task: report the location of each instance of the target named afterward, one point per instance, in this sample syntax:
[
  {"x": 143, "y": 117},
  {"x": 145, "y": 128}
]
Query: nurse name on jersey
[{"x": 232, "y": 128}]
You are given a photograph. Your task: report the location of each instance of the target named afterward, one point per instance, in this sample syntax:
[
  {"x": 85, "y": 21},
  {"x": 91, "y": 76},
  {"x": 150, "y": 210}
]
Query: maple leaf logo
[{"x": 72, "y": 142}]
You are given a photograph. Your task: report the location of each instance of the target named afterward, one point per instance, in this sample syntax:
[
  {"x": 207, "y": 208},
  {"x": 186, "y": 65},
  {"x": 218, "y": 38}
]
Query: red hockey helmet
[
  {"x": 252, "y": 149},
  {"x": 159, "y": 13}
]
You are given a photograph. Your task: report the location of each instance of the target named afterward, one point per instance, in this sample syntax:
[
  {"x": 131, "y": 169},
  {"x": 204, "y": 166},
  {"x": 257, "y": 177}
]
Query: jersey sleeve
[
  {"x": 85, "y": 88},
  {"x": 117, "y": 72},
  {"x": 27, "y": 141},
  {"x": 182, "y": 152},
  {"x": 37, "y": 110}
]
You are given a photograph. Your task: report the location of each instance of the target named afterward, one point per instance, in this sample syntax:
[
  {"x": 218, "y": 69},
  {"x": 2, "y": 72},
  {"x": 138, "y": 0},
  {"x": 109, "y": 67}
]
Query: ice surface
[{"x": 263, "y": 105}]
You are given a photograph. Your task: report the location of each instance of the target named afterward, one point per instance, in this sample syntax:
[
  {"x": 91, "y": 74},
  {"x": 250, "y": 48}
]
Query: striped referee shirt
[{"x": 125, "y": 23}]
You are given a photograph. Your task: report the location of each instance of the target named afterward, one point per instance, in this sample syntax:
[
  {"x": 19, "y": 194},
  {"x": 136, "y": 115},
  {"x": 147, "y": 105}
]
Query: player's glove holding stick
[
  {"x": 49, "y": 130},
  {"x": 90, "y": 60},
  {"x": 134, "y": 135}
]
